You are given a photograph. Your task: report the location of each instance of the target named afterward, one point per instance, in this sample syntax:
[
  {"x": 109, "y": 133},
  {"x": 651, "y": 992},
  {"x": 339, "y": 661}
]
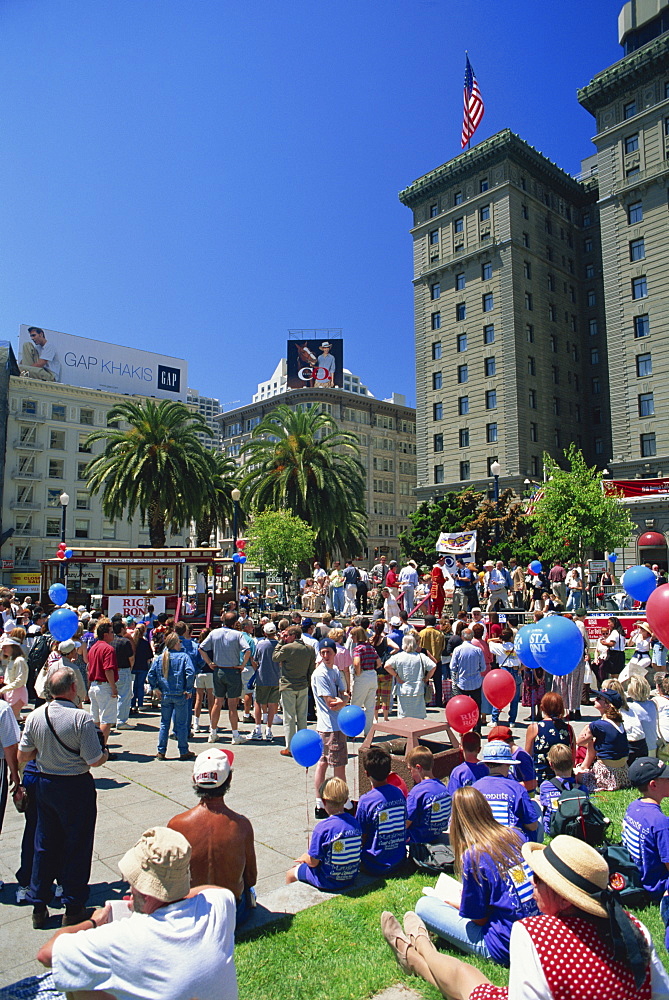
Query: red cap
[{"x": 500, "y": 733}]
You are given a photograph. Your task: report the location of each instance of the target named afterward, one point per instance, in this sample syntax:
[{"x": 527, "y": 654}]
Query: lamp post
[
  {"x": 64, "y": 500},
  {"x": 495, "y": 469},
  {"x": 236, "y": 495}
]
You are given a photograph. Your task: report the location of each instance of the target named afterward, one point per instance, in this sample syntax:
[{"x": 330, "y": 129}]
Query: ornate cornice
[{"x": 616, "y": 81}]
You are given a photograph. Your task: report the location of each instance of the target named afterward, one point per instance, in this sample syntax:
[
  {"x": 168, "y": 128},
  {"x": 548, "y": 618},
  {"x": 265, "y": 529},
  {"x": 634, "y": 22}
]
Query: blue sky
[{"x": 196, "y": 177}]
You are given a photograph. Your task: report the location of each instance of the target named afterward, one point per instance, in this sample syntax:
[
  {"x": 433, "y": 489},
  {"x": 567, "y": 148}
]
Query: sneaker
[
  {"x": 123, "y": 725},
  {"x": 213, "y": 735},
  {"x": 172, "y": 736},
  {"x": 189, "y": 755},
  {"x": 255, "y": 735},
  {"x": 320, "y": 813},
  {"x": 21, "y": 894},
  {"x": 40, "y": 918},
  {"x": 248, "y": 718},
  {"x": 268, "y": 736},
  {"x": 196, "y": 727},
  {"x": 237, "y": 738},
  {"x": 58, "y": 891},
  {"x": 278, "y": 719},
  {"x": 285, "y": 752}
]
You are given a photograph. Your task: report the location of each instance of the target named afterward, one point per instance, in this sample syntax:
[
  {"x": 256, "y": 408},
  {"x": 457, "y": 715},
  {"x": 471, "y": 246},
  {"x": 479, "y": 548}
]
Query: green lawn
[{"x": 335, "y": 951}]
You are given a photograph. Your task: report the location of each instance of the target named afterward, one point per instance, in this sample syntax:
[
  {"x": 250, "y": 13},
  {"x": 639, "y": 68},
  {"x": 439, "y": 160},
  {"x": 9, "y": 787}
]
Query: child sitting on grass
[
  {"x": 333, "y": 860},
  {"x": 428, "y": 802},
  {"x": 471, "y": 768},
  {"x": 382, "y": 814},
  {"x": 560, "y": 760}
]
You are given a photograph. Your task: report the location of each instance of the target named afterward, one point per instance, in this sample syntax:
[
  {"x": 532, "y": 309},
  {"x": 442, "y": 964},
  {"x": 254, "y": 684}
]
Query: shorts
[
  {"x": 17, "y": 696},
  {"x": 103, "y": 705},
  {"x": 247, "y": 674},
  {"x": 227, "y": 682},
  {"x": 335, "y": 750},
  {"x": 267, "y": 694},
  {"x": 204, "y": 681}
]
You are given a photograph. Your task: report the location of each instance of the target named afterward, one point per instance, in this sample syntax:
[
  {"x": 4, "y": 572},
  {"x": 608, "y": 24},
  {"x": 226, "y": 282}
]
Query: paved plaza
[{"x": 135, "y": 792}]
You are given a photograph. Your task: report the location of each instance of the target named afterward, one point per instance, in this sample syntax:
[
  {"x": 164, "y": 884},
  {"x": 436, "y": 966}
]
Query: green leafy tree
[
  {"x": 299, "y": 460},
  {"x": 216, "y": 504},
  {"x": 447, "y": 512},
  {"x": 156, "y": 466},
  {"x": 279, "y": 540},
  {"x": 574, "y": 516}
]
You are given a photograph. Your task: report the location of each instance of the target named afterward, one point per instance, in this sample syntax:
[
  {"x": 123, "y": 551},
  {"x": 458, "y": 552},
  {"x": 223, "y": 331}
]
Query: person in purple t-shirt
[
  {"x": 471, "y": 768},
  {"x": 333, "y": 859},
  {"x": 382, "y": 815},
  {"x": 509, "y": 801},
  {"x": 646, "y": 828},
  {"x": 524, "y": 771},
  {"x": 428, "y": 802}
]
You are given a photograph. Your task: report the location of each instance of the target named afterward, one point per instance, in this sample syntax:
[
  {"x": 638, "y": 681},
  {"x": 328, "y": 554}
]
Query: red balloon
[
  {"x": 657, "y": 612},
  {"x": 462, "y": 713},
  {"x": 60, "y": 554},
  {"x": 63, "y": 546},
  {"x": 394, "y": 779},
  {"x": 499, "y": 687}
]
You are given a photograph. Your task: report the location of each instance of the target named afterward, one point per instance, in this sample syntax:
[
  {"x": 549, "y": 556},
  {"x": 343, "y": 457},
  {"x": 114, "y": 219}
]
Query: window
[
  {"x": 549, "y": 253},
  {"x": 591, "y": 297},
  {"x": 81, "y": 470},
  {"x": 58, "y": 412},
  {"x": 550, "y": 282},
  {"x": 484, "y": 213},
  {"x": 490, "y": 367},
  {"x": 666, "y": 126},
  {"x": 634, "y": 213},
  {"x": 587, "y": 245},
  {"x": 534, "y": 431},
  {"x": 641, "y": 326},
  {"x": 526, "y": 239},
  {"x": 489, "y": 334},
  {"x": 438, "y": 442},
  {"x": 556, "y": 437},
  {"x": 437, "y": 411},
  {"x": 556, "y": 406},
  {"x": 83, "y": 500},
  {"x": 457, "y": 198},
  {"x": 438, "y": 473},
  {"x": 637, "y": 249},
  {"x": 548, "y": 225},
  {"x": 463, "y": 405},
  {"x": 599, "y": 446},
  {"x": 436, "y": 350},
  {"x": 463, "y": 373},
  {"x": 435, "y": 290},
  {"x": 464, "y": 470},
  {"x": 491, "y": 399},
  {"x": 644, "y": 365},
  {"x": 532, "y": 399},
  {"x": 529, "y": 333},
  {"x": 81, "y": 528},
  {"x": 84, "y": 448},
  {"x": 555, "y": 375},
  {"x": 531, "y": 366},
  {"x": 483, "y": 186},
  {"x": 491, "y": 433},
  {"x": 589, "y": 270},
  {"x": 646, "y": 404},
  {"x": 461, "y": 311},
  {"x": 434, "y": 211},
  {"x": 524, "y": 212},
  {"x": 459, "y": 225},
  {"x": 436, "y": 321},
  {"x": 578, "y": 412},
  {"x": 527, "y": 269},
  {"x": 460, "y": 281},
  {"x": 52, "y": 497},
  {"x": 434, "y": 237},
  {"x": 86, "y": 417},
  {"x": 108, "y": 530},
  {"x": 463, "y": 437},
  {"x": 436, "y": 380},
  {"x": 488, "y": 302},
  {"x": 57, "y": 440},
  {"x": 552, "y": 313},
  {"x": 629, "y": 109},
  {"x": 592, "y": 327},
  {"x": 639, "y": 288},
  {"x": 631, "y": 143},
  {"x": 56, "y": 468},
  {"x": 594, "y": 356},
  {"x": 553, "y": 343},
  {"x": 597, "y": 415},
  {"x": 461, "y": 342},
  {"x": 528, "y": 301},
  {"x": 596, "y": 386},
  {"x": 648, "y": 448},
  {"x": 53, "y": 525}
]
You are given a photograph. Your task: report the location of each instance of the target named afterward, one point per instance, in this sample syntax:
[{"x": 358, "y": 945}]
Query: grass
[{"x": 335, "y": 951}]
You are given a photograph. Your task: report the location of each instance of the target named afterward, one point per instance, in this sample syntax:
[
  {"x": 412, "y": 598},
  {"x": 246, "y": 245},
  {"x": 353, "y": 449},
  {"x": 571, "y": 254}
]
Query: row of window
[
  {"x": 59, "y": 412},
  {"x": 487, "y": 305}
]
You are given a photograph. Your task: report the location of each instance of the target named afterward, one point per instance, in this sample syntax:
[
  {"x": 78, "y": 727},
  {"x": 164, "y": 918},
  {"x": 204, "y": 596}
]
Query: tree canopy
[
  {"x": 216, "y": 504},
  {"x": 280, "y": 540}
]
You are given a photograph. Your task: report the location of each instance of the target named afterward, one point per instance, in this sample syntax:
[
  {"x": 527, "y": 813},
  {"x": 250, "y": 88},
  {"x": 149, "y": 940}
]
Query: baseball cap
[
  {"x": 645, "y": 769},
  {"x": 580, "y": 613},
  {"x": 395, "y": 620},
  {"x": 610, "y": 695},
  {"x": 500, "y": 733},
  {"x": 307, "y": 623},
  {"x": 498, "y": 752},
  {"x": 68, "y": 646},
  {"x": 269, "y": 628},
  {"x": 212, "y": 768},
  {"x": 328, "y": 644}
]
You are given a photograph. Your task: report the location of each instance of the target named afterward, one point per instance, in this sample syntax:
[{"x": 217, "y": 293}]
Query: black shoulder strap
[
  {"x": 58, "y": 739},
  {"x": 556, "y": 783}
]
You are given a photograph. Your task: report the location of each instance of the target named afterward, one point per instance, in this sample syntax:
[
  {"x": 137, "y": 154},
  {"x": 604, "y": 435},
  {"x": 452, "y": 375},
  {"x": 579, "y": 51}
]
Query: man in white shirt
[
  {"x": 408, "y": 583},
  {"x": 39, "y": 359}
]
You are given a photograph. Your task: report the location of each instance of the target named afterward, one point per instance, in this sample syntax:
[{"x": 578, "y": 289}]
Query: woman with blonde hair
[
  {"x": 636, "y": 736},
  {"x": 172, "y": 673},
  {"x": 496, "y": 886}
]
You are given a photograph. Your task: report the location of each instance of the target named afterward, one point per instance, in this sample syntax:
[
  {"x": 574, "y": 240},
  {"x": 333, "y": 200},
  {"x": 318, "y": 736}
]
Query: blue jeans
[
  {"x": 138, "y": 681},
  {"x": 124, "y": 688},
  {"x": 174, "y": 707},
  {"x": 515, "y": 701},
  {"x": 338, "y": 600},
  {"x": 574, "y": 600},
  {"x": 445, "y": 921}
]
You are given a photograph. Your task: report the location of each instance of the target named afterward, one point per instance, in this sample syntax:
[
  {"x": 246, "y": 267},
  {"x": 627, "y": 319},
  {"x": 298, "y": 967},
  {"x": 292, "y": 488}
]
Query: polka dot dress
[{"x": 576, "y": 963}]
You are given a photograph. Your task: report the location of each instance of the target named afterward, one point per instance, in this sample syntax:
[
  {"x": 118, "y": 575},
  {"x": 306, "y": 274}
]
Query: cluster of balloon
[
  {"x": 239, "y": 556},
  {"x": 462, "y": 713},
  {"x": 499, "y": 687},
  {"x": 555, "y": 643},
  {"x": 657, "y": 613},
  {"x": 639, "y": 582},
  {"x": 352, "y": 720},
  {"x": 58, "y": 593},
  {"x": 612, "y": 557},
  {"x": 522, "y": 647},
  {"x": 63, "y": 623},
  {"x": 306, "y": 747},
  {"x": 63, "y": 552},
  {"x": 535, "y": 567}
]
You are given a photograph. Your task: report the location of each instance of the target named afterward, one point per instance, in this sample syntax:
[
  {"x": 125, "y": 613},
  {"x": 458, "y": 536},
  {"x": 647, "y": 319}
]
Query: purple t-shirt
[
  {"x": 337, "y": 843},
  {"x": 500, "y": 898},
  {"x": 509, "y": 801},
  {"x": 525, "y": 770},
  {"x": 382, "y": 815},
  {"x": 466, "y": 774},
  {"x": 549, "y": 795},
  {"x": 646, "y": 837},
  {"x": 429, "y": 809}
]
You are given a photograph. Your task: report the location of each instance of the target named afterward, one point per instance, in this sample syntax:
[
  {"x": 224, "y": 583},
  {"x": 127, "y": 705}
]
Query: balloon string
[{"x": 306, "y": 802}]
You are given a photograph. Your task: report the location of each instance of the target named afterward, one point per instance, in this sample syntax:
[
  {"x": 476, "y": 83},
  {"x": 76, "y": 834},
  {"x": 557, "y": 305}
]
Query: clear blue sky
[{"x": 198, "y": 176}]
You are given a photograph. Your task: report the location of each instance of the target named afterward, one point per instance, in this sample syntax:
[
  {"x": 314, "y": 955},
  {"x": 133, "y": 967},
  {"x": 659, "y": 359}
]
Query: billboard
[
  {"x": 60, "y": 357},
  {"x": 636, "y": 487},
  {"x": 315, "y": 364}
]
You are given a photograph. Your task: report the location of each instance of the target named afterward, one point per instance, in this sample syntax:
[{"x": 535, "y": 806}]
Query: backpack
[
  {"x": 434, "y": 858},
  {"x": 577, "y": 816},
  {"x": 624, "y": 876},
  {"x": 39, "y": 653}
]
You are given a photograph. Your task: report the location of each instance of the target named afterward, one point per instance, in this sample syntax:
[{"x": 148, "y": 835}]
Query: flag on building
[{"x": 473, "y": 105}]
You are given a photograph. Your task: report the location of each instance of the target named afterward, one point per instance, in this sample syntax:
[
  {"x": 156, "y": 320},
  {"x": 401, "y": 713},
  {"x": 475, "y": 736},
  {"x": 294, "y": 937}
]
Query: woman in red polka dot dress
[{"x": 583, "y": 946}]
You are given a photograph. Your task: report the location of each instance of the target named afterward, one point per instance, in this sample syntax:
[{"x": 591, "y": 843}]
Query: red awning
[{"x": 652, "y": 539}]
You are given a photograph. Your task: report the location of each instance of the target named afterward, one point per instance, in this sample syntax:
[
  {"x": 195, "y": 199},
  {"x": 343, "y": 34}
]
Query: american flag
[{"x": 473, "y": 105}]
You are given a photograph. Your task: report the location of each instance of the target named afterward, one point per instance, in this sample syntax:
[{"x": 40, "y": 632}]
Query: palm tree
[
  {"x": 217, "y": 505},
  {"x": 299, "y": 459},
  {"x": 157, "y": 466}
]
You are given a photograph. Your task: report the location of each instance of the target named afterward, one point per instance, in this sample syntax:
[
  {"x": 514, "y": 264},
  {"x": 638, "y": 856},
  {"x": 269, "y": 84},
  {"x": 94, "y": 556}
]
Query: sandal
[
  {"x": 394, "y": 935},
  {"x": 414, "y": 928}
]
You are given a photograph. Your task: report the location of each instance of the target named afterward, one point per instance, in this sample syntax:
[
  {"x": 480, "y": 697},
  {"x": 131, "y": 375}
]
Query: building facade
[{"x": 209, "y": 407}]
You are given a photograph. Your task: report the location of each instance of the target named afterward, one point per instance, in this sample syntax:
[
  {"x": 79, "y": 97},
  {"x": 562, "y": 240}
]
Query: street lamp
[
  {"x": 64, "y": 500},
  {"x": 495, "y": 469},
  {"x": 236, "y": 496}
]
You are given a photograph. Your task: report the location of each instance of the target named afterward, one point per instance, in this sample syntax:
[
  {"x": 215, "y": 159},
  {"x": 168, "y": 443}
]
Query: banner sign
[
  {"x": 459, "y": 543},
  {"x": 26, "y": 583},
  {"x": 60, "y": 357},
  {"x": 315, "y": 364},
  {"x": 151, "y": 562},
  {"x": 134, "y": 606},
  {"x": 636, "y": 487},
  {"x": 597, "y": 625}
]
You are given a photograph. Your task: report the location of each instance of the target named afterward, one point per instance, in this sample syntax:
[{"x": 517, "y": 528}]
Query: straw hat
[
  {"x": 159, "y": 864},
  {"x": 645, "y": 626},
  {"x": 571, "y": 868}
]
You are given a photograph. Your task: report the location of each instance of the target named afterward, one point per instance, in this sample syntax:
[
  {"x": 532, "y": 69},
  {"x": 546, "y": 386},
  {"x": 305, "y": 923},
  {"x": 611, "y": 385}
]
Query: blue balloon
[
  {"x": 306, "y": 747},
  {"x": 556, "y": 644},
  {"x": 522, "y": 647},
  {"x": 536, "y": 566},
  {"x": 352, "y": 720},
  {"x": 612, "y": 557},
  {"x": 639, "y": 582},
  {"x": 63, "y": 623},
  {"x": 236, "y": 558},
  {"x": 241, "y": 560},
  {"x": 58, "y": 593},
  {"x": 68, "y": 553}
]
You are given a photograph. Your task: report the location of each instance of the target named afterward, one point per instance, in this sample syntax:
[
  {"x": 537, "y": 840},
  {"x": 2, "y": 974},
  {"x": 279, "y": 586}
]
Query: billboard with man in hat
[{"x": 315, "y": 364}]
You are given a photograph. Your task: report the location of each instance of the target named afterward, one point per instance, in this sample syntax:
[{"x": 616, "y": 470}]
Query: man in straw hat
[
  {"x": 583, "y": 945},
  {"x": 176, "y": 942}
]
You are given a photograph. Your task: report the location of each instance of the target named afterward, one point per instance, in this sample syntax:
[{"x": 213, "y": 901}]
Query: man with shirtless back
[{"x": 222, "y": 843}]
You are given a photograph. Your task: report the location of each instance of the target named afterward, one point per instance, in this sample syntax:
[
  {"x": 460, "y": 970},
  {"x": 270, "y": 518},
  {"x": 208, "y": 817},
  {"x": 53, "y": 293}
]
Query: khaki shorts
[
  {"x": 103, "y": 705},
  {"x": 205, "y": 681},
  {"x": 335, "y": 750},
  {"x": 266, "y": 694}
]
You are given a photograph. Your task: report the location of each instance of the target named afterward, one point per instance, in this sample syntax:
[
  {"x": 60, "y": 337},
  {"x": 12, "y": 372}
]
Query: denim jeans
[
  {"x": 124, "y": 688},
  {"x": 338, "y": 600},
  {"x": 515, "y": 701},
  {"x": 574, "y": 600},
  {"x": 138, "y": 681},
  {"x": 445, "y": 921},
  {"x": 174, "y": 707}
]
